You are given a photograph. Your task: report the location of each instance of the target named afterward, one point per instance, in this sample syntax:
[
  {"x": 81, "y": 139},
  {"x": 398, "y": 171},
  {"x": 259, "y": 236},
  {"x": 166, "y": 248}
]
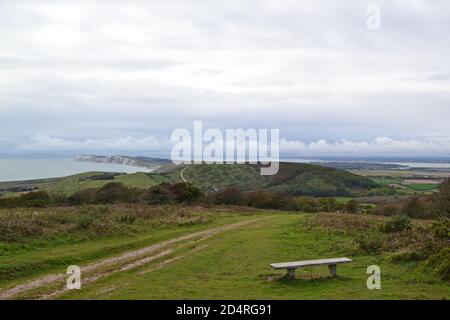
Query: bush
[
  {"x": 441, "y": 201},
  {"x": 184, "y": 192},
  {"x": 413, "y": 208},
  {"x": 155, "y": 195},
  {"x": 441, "y": 229},
  {"x": 85, "y": 222},
  {"x": 397, "y": 223},
  {"x": 388, "y": 209},
  {"x": 306, "y": 204},
  {"x": 82, "y": 197},
  {"x": 351, "y": 206},
  {"x": 30, "y": 199},
  {"x": 229, "y": 196},
  {"x": 371, "y": 243},
  {"x": 438, "y": 264},
  {"x": 114, "y": 192},
  {"x": 172, "y": 193}
]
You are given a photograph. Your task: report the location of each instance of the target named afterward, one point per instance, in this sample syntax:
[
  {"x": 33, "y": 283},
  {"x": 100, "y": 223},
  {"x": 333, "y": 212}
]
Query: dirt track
[{"x": 123, "y": 262}]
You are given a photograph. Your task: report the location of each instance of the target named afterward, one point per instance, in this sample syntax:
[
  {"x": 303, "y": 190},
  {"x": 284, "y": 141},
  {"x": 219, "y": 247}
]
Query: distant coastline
[{"x": 29, "y": 168}]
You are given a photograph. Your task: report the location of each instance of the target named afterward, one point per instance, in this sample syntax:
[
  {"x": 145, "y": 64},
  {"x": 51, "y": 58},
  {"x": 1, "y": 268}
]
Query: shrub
[
  {"x": 388, "y": 209},
  {"x": 82, "y": 197},
  {"x": 371, "y": 243},
  {"x": 268, "y": 200},
  {"x": 113, "y": 192},
  {"x": 34, "y": 199},
  {"x": 184, "y": 192},
  {"x": 438, "y": 264},
  {"x": 155, "y": 195},
  {"x": 413, "y": 208},
  {"x": 351, "y": 206},
  {"x": 306, "y": 204},
  {"x": 230, "y": 196},
  {"x": 441, "y": 228},
  {"x": 397, "y": 223},
  {"x": 441, "y": 201},
  {"x": 85, "y": 221}
]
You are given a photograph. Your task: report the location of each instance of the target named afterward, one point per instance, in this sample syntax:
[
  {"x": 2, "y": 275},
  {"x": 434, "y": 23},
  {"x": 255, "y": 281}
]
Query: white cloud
[
  {"x": 380, "y": 146},
  {"x": 45, "y": 143}
]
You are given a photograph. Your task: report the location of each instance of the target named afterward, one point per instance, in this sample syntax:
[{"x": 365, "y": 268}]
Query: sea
[
  {"x": 42, "y": 167},
  {"x": 30, "y": 167}
]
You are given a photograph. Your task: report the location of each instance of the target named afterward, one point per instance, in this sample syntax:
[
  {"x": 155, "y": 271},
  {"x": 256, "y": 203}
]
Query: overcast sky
[{"x": 120, "y": 76}]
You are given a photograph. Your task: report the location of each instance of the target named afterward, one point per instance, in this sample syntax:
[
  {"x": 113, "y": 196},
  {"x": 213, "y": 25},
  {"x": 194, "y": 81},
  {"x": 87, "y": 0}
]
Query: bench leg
[
  {"x": 290, "y": 274},
  {"x": 333, "y": 270}
]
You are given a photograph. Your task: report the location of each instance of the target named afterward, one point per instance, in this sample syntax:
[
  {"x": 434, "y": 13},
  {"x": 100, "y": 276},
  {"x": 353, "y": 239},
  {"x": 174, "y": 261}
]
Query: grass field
[
  {"x": 422, "y": 186},
  {"x": 233, "y": 264},
  {"x": 74, "y": 183}
]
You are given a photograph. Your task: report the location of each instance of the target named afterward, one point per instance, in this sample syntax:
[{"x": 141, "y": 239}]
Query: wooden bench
[{"x": 291, "y": 266}]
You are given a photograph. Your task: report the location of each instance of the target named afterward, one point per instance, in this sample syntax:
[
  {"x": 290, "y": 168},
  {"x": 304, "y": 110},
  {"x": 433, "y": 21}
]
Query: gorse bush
[
  {"x": 397, "y": 223},
  {"x": 438, "y": 264},
  {"x": 441, "y": 228},
  {"x": 30, "y": 199},
  {"x": 371, "y": 243}
]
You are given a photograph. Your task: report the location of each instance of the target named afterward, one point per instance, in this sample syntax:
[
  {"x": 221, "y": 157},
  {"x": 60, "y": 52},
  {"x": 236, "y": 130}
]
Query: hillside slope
[
  {"x": 74, "y": 183},
  {"x": 292, "y": 178}
]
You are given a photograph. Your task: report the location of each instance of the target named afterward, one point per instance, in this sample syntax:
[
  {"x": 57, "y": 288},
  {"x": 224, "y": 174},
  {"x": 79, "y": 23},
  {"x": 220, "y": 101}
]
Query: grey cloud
[{"x": 98, "y": 70}]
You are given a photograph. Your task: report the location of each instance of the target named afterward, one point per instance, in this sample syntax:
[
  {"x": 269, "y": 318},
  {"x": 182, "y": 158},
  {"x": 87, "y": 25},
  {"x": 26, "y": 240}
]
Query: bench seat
[{"x": 291, "y": 266}]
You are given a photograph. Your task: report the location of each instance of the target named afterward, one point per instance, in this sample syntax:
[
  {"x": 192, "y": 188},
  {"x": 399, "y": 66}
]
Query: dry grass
[
  {"x": 419, "y": 242},
  {"x": 22, "y": 224},
  {"x": 348, "y": 223}
]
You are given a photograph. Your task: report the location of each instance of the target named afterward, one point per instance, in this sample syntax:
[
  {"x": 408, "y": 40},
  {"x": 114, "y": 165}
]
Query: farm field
[
  {"x": 406, "y": 181},
  {"x": 228, "y": 259}
]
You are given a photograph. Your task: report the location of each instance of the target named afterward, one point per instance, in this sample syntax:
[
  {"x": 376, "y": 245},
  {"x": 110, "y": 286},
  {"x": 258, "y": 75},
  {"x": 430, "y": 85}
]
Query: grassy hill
[
  {"x": 292, "y": 178},
  {"x": 74, "y": 183}
]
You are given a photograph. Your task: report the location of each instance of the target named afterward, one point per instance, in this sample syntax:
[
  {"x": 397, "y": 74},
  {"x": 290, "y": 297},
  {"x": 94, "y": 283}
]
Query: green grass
[
  {"x": 70, "y": 184},
  {"x": 421, "y": 186},
  {"x": 26, "y": 260},
  {"x": 74, "y": 183},
  {"x": 235, "y": 265},
  {"x": 135, "y": 180},
  {"x": 230, "y": 265}
]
